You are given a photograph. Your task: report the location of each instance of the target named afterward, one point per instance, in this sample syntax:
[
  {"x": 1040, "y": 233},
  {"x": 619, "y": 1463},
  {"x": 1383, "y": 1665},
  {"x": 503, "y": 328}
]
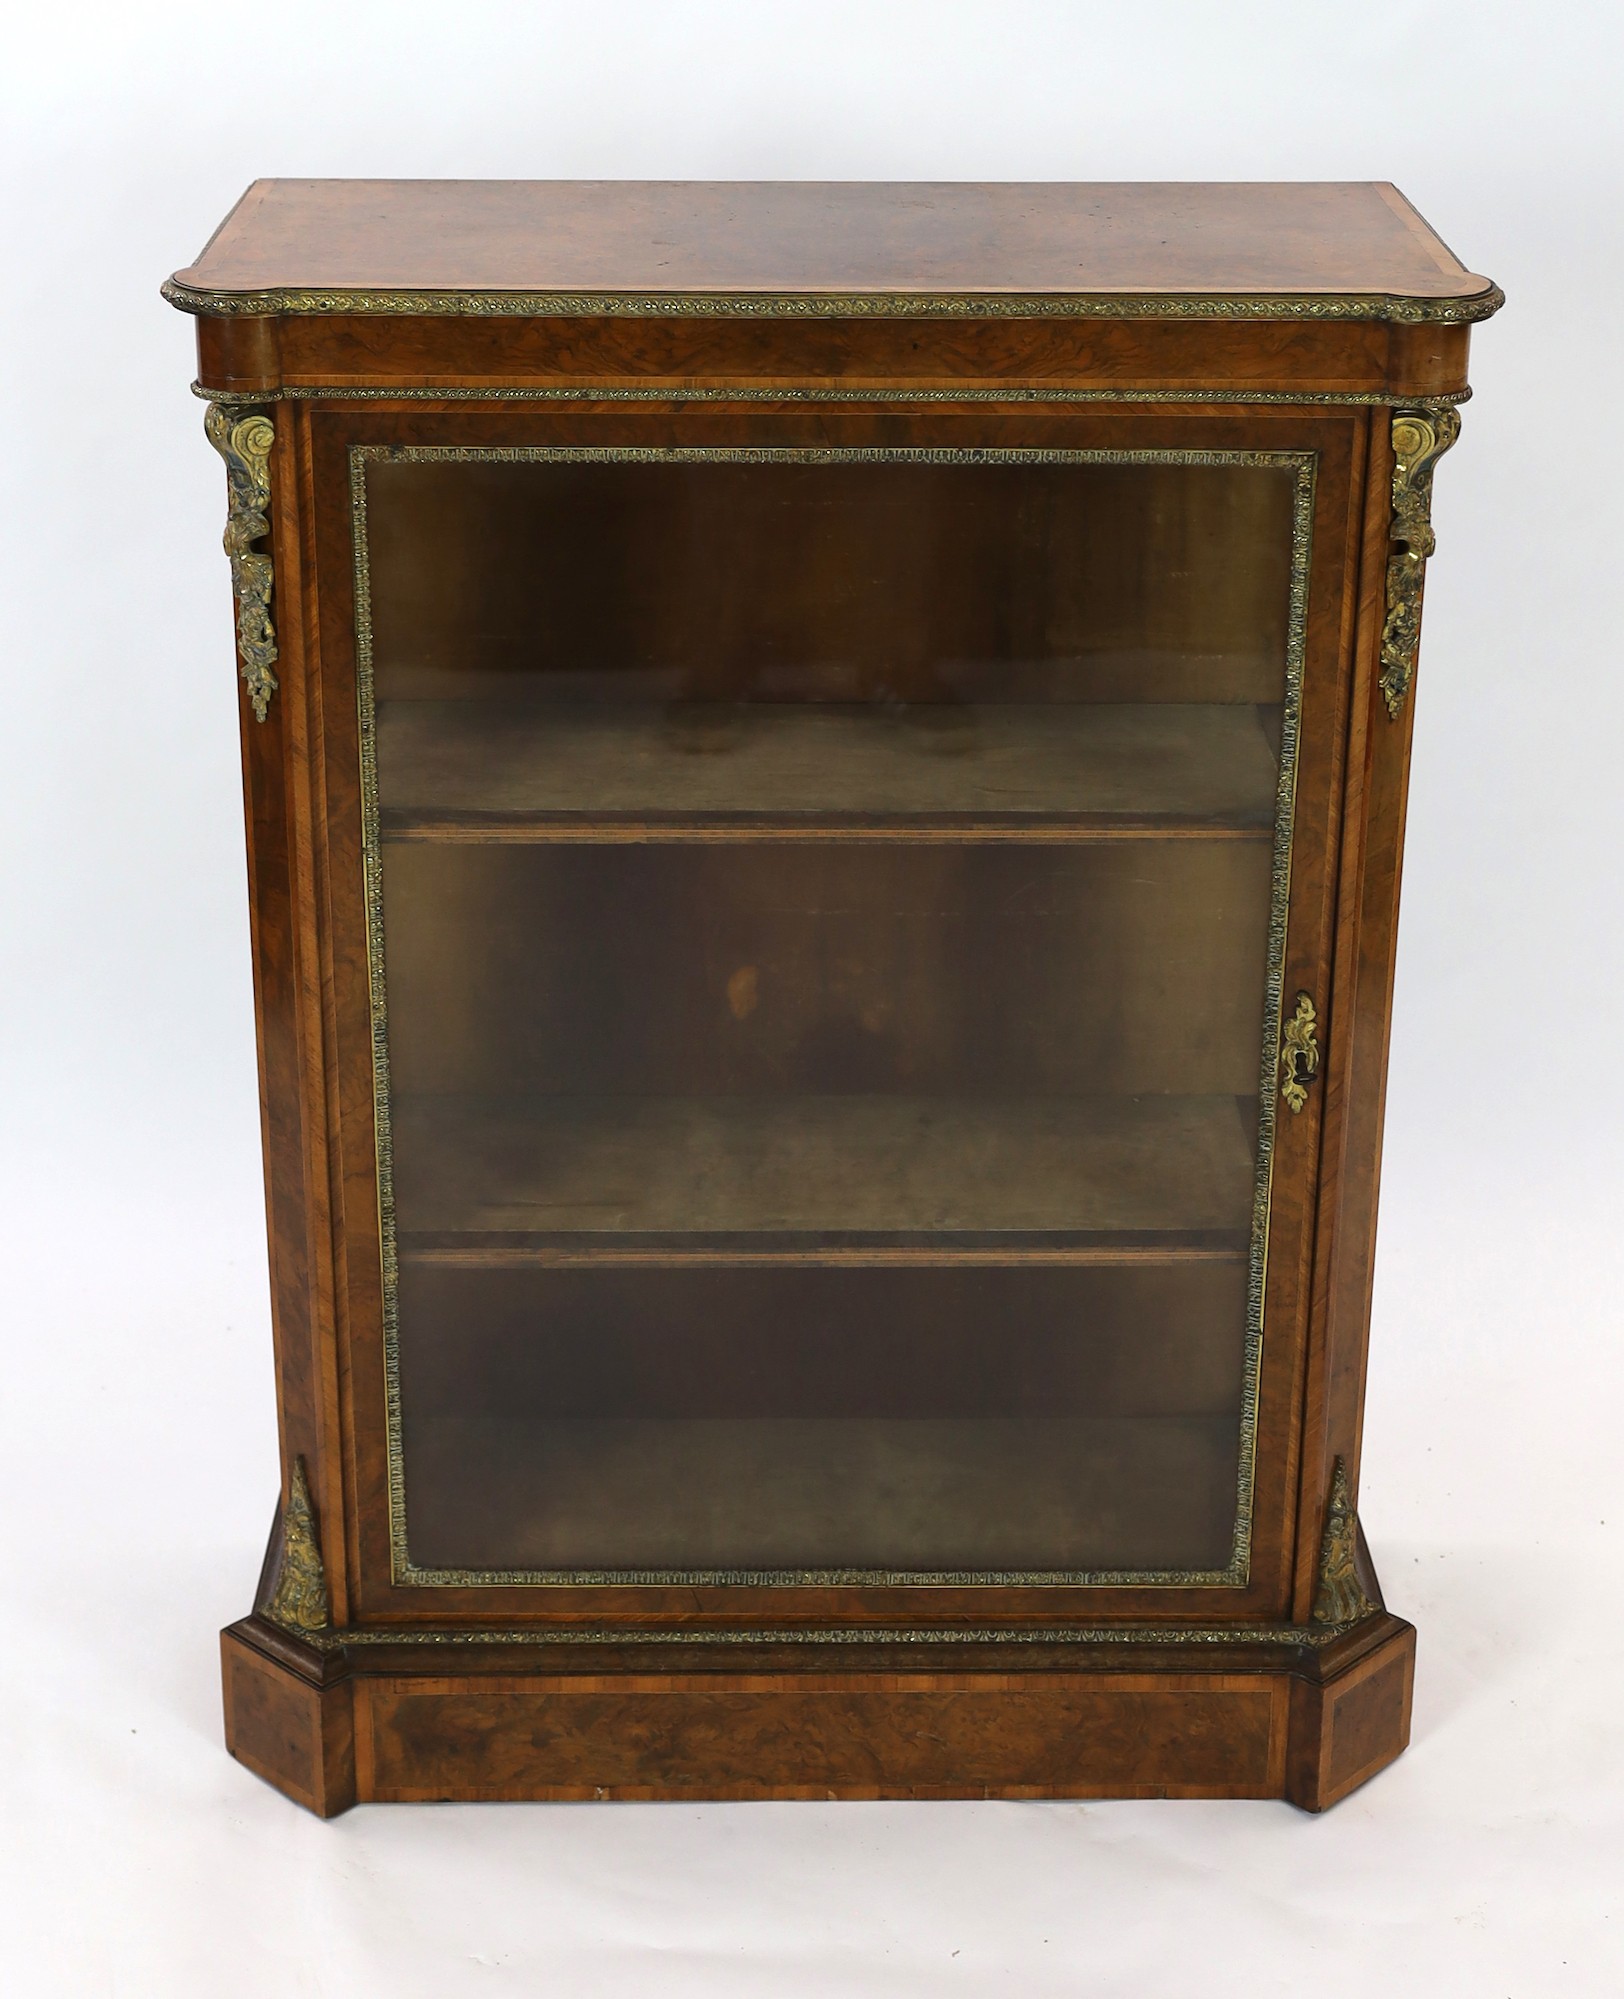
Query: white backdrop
[{"x": 137, "y": 1462}]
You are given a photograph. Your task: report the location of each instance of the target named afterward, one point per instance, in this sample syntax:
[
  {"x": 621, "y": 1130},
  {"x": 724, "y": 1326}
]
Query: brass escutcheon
[{"x": 1299, "y": 1054}]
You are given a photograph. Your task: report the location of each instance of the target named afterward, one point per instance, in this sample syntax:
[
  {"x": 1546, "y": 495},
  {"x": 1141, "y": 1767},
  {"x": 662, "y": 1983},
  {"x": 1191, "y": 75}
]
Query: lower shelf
[
  {"x": 463, "y": 1721},
  {"x": 867, "y": 1493},
  {"x": 477, "y": 1174},
  {"x": 504, "y": 769}
]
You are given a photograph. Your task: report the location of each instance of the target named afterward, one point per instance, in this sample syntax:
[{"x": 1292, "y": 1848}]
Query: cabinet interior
[{"x": 824, "y": 940}]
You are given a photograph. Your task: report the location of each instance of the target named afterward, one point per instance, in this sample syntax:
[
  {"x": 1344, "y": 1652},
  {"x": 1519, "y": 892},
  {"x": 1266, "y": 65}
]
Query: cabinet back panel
[
  {"x": 1132, "y": 965},
  {"x": 809, "y": 1341},
  {"x": 852, "y": 581}
]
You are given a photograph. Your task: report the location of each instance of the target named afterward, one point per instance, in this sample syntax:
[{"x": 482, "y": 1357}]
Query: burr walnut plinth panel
[{"x": 825, "y": 768}]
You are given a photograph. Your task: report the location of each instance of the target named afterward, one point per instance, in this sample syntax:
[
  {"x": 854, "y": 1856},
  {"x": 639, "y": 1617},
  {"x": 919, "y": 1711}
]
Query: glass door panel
[{"x": 825, "y": 948}]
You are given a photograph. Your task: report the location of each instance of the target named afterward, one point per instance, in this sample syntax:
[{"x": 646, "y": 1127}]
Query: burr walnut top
[{"x": 1321, "y": 249}]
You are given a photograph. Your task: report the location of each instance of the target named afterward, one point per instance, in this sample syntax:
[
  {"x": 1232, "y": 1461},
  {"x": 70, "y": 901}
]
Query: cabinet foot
[
  {"x": 290, "y": 1715},
  {"x": 1352, "y": 1721}
]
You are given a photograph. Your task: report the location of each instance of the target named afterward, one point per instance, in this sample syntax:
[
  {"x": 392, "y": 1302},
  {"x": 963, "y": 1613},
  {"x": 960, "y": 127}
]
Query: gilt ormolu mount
[
  {"x": 243, "y": 439},
  {"x": 823, "y": 848}
]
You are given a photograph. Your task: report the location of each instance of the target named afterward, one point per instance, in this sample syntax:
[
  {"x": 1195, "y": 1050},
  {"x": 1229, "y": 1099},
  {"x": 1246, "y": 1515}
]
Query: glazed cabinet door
[{"x": 827, "y": 940}]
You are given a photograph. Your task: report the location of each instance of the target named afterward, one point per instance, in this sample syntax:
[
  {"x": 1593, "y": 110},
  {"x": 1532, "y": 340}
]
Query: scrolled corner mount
[
  {"x": 1420, "y": 439},
  {"x": 243, "y": 439}
]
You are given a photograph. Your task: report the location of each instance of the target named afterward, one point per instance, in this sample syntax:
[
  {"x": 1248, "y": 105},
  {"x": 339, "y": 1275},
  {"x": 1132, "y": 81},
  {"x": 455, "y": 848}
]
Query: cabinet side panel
[
  {"x": 282, "y": 854},
  {"x": 1356, "y": 1080},
  {"x": 272, "y": 931},
  {"x": 311, "y": 869}
]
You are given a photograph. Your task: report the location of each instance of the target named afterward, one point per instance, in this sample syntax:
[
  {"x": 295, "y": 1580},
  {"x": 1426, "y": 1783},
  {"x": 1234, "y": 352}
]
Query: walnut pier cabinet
[{"x": 825, "y": 769}]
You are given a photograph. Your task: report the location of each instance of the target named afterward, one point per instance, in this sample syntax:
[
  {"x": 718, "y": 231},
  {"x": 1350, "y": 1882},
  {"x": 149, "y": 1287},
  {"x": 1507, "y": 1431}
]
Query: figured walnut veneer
[{"x": 395, "y": 369}]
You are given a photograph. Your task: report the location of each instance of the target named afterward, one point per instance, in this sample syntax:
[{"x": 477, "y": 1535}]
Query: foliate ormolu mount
[
  {"x": 1341, "y": 1596},
  {"x": 1420, "y": 439},
  {"x": 299, "y": 1596},
  {"x": 244, "y": 439}
]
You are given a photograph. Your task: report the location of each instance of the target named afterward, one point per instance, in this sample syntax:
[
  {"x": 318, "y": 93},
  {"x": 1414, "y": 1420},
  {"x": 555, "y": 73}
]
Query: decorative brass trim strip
[
  {"x": 723, "y": 832},
  {"x": 1293, "y": 1635},
  {"x": 299, "y": 1599},
  {"x": 1302, "y": 465},
  {"x": 828, "y": 1259},
  {"x": 845, "y": 305},
  {"x": 1341, "y": 1598},
  {"x": 1299, "y": 1054},
  {"x": 1420, "y": 439},
  {"x": 533, "y": 392},
  {"x": 243, "y": 439}
]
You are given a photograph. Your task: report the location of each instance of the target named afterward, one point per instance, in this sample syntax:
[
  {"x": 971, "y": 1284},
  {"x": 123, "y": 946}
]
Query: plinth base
[{"x": 347, "y": 1718}]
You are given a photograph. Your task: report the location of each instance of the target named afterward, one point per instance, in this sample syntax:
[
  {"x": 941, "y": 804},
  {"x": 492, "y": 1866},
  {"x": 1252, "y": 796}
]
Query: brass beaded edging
[
  {"x": 1293, "y": 1635},
  {"x": 1237, "y": 1572},
  {"x": 1247, "y": 306},
  {"x": 527, "y": 392}
]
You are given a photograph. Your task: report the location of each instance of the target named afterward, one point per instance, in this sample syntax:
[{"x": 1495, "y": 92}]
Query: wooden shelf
[
  {"x": 562, "y": 1176},
  {"x": 992, "y": 1492},
  {"x": 509, "y": 770}
]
